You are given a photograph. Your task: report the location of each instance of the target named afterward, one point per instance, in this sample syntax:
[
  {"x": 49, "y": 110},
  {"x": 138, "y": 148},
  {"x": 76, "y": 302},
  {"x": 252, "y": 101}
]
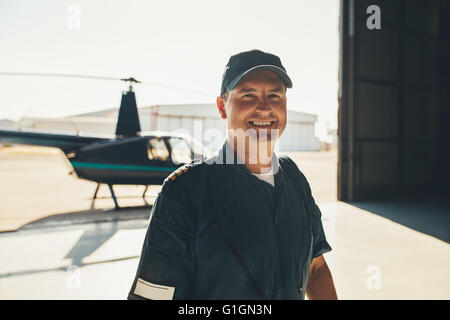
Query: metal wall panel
[{"x": 378, "y": 116}]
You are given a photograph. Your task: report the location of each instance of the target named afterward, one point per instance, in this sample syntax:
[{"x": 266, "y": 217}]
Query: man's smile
[{"x": 262, "y": 124}]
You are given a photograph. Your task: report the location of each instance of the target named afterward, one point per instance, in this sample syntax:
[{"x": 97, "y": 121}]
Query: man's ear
[{"x": 221, "y": 107}]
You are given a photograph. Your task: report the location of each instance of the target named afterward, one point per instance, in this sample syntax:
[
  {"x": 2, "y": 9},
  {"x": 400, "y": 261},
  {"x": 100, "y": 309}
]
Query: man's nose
[{"x": 264, "y": 105}]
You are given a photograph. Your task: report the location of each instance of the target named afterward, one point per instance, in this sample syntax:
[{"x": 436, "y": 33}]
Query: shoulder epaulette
[
  {"x": 178, "y": 172},
  {"x": 183, "y": 169}
]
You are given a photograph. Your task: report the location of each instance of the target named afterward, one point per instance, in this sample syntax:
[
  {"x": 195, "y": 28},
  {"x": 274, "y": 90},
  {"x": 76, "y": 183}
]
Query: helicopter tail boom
[{"x": 66, "y": 143}]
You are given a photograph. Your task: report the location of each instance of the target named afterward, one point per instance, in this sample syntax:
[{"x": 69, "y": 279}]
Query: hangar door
[{"x": 393, "y": 99}]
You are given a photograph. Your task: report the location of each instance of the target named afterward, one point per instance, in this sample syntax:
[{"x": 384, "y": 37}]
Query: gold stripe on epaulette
[{"x": 177, "y": 173}]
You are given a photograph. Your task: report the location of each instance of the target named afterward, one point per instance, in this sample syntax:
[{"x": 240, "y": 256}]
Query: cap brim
[{"x": 277, "y": 70}]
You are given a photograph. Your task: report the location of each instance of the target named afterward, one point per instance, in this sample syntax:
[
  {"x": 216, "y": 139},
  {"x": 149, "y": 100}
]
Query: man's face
[{"x": 257, "y": 103}]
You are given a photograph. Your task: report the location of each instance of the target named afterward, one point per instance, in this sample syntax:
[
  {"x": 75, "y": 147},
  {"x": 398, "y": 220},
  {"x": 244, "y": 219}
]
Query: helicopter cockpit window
[
  {"x": 181, "y": 151},
  {"x": 157, "y": 149}
]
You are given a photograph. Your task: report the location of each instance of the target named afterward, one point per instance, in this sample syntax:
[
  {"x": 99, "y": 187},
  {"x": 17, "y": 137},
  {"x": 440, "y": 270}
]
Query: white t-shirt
[{"x": 267, "y": 177}]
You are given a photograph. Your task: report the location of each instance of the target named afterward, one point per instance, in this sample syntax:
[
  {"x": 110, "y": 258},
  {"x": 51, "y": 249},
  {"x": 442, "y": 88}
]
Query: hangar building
[{"x": 201, "y": 121}]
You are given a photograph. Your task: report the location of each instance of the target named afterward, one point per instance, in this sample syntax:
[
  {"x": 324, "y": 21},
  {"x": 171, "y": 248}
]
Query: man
[{"x": 241, "y": 224}]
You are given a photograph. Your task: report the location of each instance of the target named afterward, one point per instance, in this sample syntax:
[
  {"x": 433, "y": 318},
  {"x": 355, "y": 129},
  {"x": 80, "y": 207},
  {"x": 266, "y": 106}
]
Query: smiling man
[{"x": 243, "y": 223}]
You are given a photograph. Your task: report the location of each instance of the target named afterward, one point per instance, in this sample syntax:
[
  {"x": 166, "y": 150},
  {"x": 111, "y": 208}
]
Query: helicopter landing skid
[
  {"x": 143, "y": 194},
  {"x": 96, "y": 190},
  {"x": 113, "y": 196}
]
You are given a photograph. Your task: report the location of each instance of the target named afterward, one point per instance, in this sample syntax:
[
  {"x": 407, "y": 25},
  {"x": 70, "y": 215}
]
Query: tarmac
[{"x": 57, "y": 243}]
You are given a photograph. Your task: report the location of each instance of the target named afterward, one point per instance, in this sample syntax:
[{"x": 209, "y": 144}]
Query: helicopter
[{"x": 131, "y": 157}]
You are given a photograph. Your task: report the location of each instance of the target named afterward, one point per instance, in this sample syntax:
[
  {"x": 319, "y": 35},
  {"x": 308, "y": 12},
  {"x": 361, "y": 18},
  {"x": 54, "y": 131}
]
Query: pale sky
[{"x": 184, "y": 44}]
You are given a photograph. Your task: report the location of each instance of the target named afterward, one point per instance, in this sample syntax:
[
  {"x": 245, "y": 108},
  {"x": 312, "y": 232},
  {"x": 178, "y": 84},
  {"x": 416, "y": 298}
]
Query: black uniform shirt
[{"x": 219, "y": 232}]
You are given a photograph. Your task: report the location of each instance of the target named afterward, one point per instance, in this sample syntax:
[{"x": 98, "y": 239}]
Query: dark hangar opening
[{"x": 394, "y": 114}]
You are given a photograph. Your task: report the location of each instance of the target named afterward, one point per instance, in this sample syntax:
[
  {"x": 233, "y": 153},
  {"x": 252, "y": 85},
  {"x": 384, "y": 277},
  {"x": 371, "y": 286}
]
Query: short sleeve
[
  {"x": 320, "y": 244},
  {"x": 166, "y": 265}
]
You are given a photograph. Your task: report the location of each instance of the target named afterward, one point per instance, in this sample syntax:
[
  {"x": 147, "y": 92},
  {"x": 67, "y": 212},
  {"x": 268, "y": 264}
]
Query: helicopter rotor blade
[
  {"x": 62, "y": 75},
  {"x": 131, "y": 79},
  {"x": 152, "y": 84}
]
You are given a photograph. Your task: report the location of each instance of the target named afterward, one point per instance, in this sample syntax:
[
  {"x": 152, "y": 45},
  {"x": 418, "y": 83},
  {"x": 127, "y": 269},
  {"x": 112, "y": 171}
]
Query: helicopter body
[
  {"x": 140, "y": 160},
  {"x": 129, "y": 157}
]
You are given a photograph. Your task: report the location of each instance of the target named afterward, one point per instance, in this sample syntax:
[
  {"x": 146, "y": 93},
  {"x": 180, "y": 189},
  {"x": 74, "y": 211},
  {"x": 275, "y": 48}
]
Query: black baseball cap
[{"x": 243, "y": 63}]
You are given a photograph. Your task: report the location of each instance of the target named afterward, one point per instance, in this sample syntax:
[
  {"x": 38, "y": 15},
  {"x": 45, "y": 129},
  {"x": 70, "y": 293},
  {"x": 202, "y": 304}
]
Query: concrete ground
[
  {"x": 36, "y": 184},
  {"x": 66, "y": 250}
]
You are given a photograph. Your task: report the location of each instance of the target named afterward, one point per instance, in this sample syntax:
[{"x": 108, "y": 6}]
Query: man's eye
[
  {"x": 248, "y": 96},
  {"x": 274, "y": 96}
]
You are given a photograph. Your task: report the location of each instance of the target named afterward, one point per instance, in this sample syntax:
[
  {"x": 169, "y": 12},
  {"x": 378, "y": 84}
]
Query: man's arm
[
  {"x": 320, "y": 284},
  {"x": 167, "y": 264}
]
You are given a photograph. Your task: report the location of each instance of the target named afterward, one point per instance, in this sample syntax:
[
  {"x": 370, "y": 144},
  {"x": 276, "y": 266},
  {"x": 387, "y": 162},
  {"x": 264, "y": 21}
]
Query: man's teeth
[{"x": 261, "y": 123}]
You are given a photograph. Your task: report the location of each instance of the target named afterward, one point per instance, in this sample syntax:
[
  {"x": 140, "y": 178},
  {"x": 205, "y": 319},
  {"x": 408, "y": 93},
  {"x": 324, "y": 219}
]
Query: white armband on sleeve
[{"x": 153, "y": 291}]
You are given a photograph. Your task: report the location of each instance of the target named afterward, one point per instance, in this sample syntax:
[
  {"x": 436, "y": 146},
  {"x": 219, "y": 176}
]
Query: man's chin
[
  {"x": 267, "y": 134},
  {"x": 255, "y": 136},
  {"x": 264, "y": 139}
]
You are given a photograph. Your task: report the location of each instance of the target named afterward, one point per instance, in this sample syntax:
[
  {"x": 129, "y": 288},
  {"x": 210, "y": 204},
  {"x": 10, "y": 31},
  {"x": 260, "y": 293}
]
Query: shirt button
[{"x": 300, "y": 290}]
